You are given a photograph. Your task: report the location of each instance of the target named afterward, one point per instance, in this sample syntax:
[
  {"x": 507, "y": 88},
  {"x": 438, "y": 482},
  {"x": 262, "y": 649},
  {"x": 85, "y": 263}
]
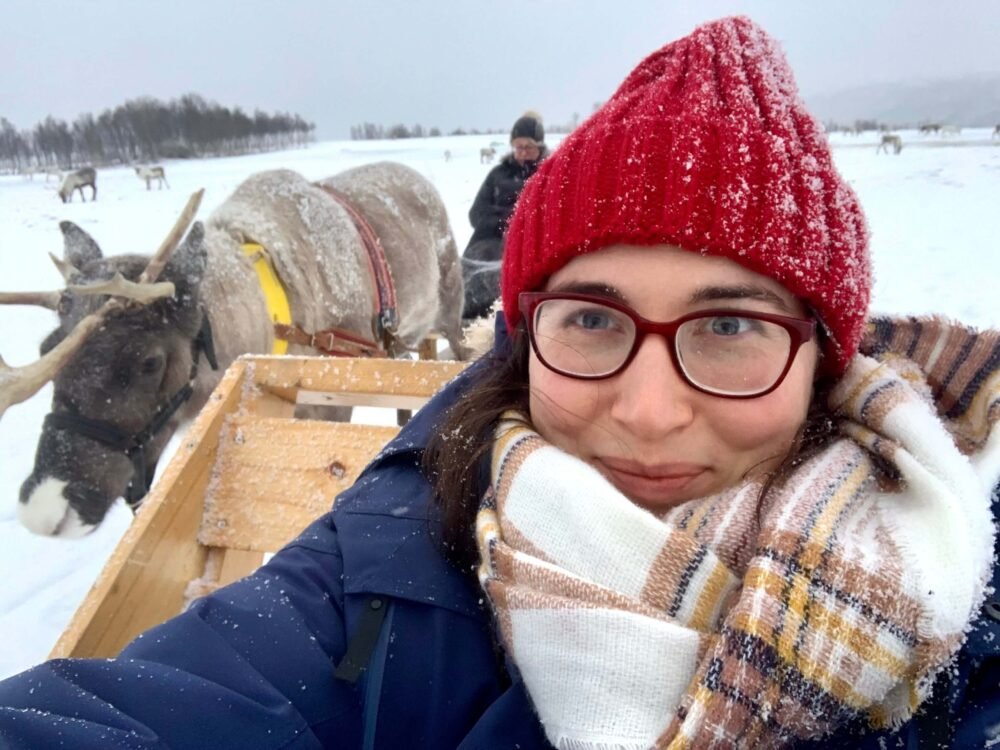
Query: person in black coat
[{"x": 491, "y": 210}]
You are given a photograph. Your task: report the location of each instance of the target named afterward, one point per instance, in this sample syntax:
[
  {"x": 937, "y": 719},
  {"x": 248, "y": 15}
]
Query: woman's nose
[{"x": 653, "y": 399}]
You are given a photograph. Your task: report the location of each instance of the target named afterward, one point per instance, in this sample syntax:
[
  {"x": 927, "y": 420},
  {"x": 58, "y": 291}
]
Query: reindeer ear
[
  {"x": 79, "y": 247},
  {"x": 191, "y": 258}
]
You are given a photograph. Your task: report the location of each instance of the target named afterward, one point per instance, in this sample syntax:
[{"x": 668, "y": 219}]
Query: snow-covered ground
[{"x": 936, "y": 245}]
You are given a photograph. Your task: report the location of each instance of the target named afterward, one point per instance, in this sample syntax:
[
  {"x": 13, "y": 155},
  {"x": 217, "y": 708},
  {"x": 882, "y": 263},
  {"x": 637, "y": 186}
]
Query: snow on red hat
[{"x": 706, "y": 146}]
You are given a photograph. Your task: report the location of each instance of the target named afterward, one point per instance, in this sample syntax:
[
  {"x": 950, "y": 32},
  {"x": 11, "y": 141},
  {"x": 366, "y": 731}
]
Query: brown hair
[{"x": 454, "y": 453}]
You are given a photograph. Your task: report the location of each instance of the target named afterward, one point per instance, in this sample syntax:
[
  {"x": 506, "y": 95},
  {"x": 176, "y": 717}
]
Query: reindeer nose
[{"x": 45, "y": 507}]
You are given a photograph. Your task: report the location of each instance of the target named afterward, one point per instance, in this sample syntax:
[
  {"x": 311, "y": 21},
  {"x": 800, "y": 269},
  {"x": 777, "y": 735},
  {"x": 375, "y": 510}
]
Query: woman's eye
[
  {"x": 592, "y": 320},
  {"x": 730, "y": 325}
]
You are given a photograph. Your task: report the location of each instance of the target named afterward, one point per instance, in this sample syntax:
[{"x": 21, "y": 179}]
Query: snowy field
[{"x": 936, "y": 246}]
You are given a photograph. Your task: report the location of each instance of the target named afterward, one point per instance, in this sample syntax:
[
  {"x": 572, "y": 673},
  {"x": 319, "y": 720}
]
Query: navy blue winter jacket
[{"x": 252, "y": 666}]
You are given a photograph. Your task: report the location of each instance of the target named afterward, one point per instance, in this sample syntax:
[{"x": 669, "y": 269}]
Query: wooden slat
[
  {"x": 275, "y": 476},
  {"x": 385, "y": 400},
  {"x": 143, "y": 582},
  {"x": 401, "y": 377},
  {"x": 237, "y": 563}
]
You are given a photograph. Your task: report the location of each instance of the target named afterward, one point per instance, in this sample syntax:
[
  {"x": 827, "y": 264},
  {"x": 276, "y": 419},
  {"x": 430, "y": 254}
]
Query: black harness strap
[{"x": 362, "y": 643}]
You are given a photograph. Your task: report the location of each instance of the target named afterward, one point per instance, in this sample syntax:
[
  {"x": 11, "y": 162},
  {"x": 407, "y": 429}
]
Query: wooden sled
[{"x": 246, "y": 480}]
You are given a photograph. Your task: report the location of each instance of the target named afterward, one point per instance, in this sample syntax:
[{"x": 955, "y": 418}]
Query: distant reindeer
[
  {"x": 78, "y": 180},
  {"x": 447, "y": 155},
  {"x": 929, "y": 127},
  {"x": 890, "y": 139},
  {"x": 951, "y": 130},
  {"x": 152, "y": 173},
  {"x": 996, "y": 132},
  {"x": 486, "y": 154}
]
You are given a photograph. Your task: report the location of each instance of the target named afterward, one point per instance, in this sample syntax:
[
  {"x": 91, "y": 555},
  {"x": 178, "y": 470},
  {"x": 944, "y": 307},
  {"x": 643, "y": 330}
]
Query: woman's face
[
  {"x": 657, "y": 439},
  {"x": 525, "y": 150}
]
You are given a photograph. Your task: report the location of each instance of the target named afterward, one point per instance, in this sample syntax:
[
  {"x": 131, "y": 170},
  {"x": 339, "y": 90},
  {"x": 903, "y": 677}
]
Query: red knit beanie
[{"x": 706, "y": 146}]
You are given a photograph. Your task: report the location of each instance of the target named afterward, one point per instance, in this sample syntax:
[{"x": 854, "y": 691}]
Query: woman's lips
[{"x": 661, "y": 482}]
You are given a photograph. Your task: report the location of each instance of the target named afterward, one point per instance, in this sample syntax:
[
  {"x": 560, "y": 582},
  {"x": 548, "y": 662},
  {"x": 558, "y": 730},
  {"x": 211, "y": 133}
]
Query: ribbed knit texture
[{"x": 707, "y": 146}]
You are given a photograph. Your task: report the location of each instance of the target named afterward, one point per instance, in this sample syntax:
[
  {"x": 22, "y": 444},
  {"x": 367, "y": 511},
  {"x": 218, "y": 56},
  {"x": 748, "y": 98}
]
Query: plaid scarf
[{"x": 735, "y": 623}]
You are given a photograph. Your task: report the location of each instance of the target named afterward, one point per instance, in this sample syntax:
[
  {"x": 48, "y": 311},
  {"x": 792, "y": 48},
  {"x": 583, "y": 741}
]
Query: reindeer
[
  {"x": 151, "y": 173},
  {"x": 447, "y": 155},
  {"x": 929, "y": 127},
  {"x": 78, "y": 180},
  {"x": 122, "y": 395},
  {"x": 996, "y": 132},
  {"x": 890, "y": 139},
  {"x": 486, "y": 154}
]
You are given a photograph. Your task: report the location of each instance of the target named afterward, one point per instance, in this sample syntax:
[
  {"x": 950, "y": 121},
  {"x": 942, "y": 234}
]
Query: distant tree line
[
  {"x": 861, "y": 125},
  {"x": 146, "y": 130},
  {"x": 370, "y": 131}
]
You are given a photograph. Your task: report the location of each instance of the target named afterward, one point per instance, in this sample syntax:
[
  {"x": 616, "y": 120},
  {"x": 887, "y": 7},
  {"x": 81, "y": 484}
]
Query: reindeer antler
[
  {"x": 172, "y": 240},
  {"x": 119, "y": 286},
  {"x": 18, "y": 384},
  {"x": 44, "y": 299}
]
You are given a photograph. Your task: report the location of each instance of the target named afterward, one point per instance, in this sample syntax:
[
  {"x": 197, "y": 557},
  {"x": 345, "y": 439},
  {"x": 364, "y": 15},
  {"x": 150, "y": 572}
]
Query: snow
[{"x": 932, "y": 211}]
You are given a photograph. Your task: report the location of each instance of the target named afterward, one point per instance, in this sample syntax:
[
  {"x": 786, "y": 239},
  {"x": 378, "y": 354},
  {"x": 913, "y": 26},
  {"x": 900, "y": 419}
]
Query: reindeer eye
[
  {"x": 151, "y": 365},
  {"x": 65, "y": 303}
]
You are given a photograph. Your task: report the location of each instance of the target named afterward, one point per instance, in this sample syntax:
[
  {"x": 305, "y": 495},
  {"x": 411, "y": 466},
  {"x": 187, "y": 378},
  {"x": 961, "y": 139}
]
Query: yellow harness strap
[{"x": 274, "y": 292}]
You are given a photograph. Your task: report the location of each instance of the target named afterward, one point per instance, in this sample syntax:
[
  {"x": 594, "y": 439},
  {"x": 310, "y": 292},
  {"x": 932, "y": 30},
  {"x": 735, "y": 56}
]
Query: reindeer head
[{"x": 135, "y": 358}]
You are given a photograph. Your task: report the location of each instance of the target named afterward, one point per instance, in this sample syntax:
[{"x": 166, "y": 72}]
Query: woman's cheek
[{"x": 560, "y": 407}]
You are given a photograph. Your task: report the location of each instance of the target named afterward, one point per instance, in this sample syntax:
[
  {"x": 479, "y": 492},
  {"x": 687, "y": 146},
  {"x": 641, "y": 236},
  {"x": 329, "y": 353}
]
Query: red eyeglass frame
[{"x": 799, "y": 332}]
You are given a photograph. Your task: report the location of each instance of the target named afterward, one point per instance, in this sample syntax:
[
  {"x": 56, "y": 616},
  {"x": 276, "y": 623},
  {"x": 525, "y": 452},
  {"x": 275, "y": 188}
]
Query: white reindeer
[
  {"x": 151, "y": 173},
  {"x": 890, "y": 139},
  {"x": 951, "y": 130},
  {"x": 486, "y": 154},
  {"x": 78, "y": 180}
]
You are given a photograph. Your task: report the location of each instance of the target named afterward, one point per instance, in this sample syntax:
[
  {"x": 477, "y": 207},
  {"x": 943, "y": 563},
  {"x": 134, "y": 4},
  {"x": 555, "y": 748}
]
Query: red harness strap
[
  {"x": 333, "y": 342},
  {"x": 386, "y": 319}
]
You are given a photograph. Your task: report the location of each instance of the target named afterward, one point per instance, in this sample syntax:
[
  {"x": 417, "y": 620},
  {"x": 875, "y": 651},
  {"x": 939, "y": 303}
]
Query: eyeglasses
[
  {"x": 522, "y": 149},
  {"x": 726, "y": 352}
]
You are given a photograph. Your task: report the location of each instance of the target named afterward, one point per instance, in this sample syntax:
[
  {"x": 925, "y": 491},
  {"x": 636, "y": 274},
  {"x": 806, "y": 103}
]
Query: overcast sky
[{"x": 444, "y": 63}]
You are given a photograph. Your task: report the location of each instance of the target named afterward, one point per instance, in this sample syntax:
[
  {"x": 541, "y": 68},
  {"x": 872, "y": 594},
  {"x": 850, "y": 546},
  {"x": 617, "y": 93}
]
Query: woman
[
  {"x": 492, "y": 209},
  {"x": 674, "y": 507}
]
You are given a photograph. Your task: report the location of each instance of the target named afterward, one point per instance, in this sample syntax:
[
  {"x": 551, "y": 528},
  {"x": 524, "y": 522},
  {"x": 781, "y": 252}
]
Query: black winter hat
[{"x": 528, "y": 125}]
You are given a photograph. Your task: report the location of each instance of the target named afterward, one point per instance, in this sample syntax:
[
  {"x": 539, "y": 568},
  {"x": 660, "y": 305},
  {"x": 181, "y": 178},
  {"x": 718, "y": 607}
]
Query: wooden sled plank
[{"x": 250, "y": 505}]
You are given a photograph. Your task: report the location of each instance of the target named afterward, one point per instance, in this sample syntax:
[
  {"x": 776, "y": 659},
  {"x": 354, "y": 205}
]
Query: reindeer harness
[
  {"x": 274, "y": 291},
  {"x": 133, "y": 445},
  {"x": 334, "y": 342}
]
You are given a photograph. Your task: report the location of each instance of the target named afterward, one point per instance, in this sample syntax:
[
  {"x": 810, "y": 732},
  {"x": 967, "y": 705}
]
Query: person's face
[
  {"x": 525, "y": 150},
  {"x": 653, "y": 436}
]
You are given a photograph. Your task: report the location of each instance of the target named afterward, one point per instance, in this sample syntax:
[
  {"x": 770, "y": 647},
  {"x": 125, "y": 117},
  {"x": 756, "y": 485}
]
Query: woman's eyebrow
[
  {"x": 739, "y": 292},
  {"x": 598, "y": 289}
]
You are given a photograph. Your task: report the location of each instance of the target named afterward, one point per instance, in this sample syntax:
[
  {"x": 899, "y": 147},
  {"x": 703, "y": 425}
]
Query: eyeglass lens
[{"x": 732, "y": 355}]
